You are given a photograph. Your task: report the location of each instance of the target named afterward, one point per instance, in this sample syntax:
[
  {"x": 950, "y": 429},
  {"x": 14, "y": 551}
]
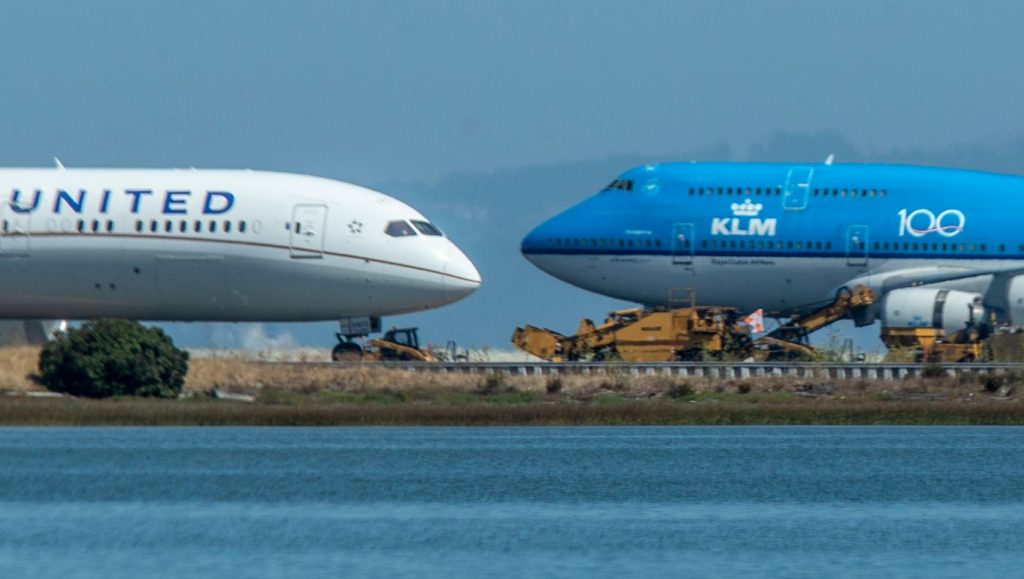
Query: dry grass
[
  {"x": 293, "y": 394},
  {"x": 18, "y": 364}
]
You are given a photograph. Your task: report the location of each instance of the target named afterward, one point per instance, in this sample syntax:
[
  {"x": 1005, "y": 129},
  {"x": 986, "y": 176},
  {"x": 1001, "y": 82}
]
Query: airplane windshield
[
  {"x": 427, "y": 228},
  {"x": 622, "y": 184},
  {"x": 399, "y": 228}
]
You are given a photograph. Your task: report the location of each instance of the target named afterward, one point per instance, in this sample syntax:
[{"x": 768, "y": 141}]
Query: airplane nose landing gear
[{"x": 346, "y": 350}]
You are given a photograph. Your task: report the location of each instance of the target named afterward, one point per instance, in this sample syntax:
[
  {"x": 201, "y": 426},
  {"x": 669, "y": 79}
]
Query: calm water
[{"x": 777, "y": 501}]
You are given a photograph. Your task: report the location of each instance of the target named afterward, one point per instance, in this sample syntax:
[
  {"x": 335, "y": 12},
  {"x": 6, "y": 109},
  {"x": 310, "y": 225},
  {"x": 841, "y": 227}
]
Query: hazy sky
[
  {"x": 414, "y": 90},
  {"x": 385, "y": 93}
]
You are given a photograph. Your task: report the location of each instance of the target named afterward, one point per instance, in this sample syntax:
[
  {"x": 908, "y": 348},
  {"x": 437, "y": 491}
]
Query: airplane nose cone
[
  {"x": 461, "y": 276},
  {"x": 537, "y": 242}
]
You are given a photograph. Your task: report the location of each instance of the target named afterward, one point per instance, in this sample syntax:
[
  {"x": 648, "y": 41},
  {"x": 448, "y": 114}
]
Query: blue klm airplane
[{"x": 940, "y": 247}]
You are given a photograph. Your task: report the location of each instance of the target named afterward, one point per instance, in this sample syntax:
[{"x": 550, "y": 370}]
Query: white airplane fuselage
[{"x": 216, "y": 245}]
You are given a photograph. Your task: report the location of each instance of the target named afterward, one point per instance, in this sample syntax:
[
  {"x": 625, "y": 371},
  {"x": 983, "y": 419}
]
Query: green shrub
[
  {"x": 680, "y": 390},
  {"x": 492, "y": 384},
  {"x": 933, "y": 370},
  {"x": 113, "y": 358},
  {"x": 554, "y": 384},
  {"x": 992, "y": 382}
]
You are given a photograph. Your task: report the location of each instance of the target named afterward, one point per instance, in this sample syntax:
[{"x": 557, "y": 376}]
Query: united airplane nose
[{"x": 461, "y": 276}]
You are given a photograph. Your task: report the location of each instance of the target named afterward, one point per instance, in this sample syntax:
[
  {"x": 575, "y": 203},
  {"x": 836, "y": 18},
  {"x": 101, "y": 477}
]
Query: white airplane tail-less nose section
[{"x": 461, "y": 276}]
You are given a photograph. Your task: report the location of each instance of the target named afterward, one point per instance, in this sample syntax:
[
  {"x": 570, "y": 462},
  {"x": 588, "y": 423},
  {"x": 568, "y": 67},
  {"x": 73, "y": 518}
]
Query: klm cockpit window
[
  {"x": 427, "y": 228},
  {"x": 621, "y": 184},
  {"x": 399, "y": 228}
]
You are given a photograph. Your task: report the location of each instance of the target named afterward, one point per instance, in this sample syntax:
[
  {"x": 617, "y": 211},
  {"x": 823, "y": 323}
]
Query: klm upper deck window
[
  {"x": 427, "y": 228},
  {"x": 399, "y": 228}
]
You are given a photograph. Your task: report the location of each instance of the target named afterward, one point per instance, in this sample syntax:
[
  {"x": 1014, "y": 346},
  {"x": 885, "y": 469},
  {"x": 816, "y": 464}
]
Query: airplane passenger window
[
  {"x": 183, "y": 226},
  {"x": 241, "y": 226},
  {"x": 138, "y": 225},
  {"x": 197, "y": 226},
  {"x": 95, "y": 225},
  {"x": 399, "y": 228},
  {"x": 168, "y": 226},
  {"x": 110, "y": 226},
  {"x": 213, "y": 227},
  {"x": 7, "y": 226},
  {"x": 153, "y": 226},
  {"x": 81, "y": 226},
  {"x": 427, "y": 228},
  {"x": 227, "y": 226}
]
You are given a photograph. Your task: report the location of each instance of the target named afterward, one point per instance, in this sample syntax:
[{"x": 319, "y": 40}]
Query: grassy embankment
[{"x": 304, "y": 395}]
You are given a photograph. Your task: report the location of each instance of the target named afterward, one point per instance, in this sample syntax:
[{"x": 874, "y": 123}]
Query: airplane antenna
[
  {"x": 57, "y": 162},
  {"x": 831, "y": 157}
]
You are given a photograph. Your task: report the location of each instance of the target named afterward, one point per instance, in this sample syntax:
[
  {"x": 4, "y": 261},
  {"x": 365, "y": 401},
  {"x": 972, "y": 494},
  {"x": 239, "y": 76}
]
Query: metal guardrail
[{"x": 720, "y": 370}]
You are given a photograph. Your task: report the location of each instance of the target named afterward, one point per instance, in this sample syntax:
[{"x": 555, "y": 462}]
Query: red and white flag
[{"x": 755, "y": 321}]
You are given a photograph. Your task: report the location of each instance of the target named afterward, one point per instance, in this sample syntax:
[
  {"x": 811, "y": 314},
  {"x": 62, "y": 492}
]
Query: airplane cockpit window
[
  {"x": 399, "y": 228},
  {"x": 621, "y": 184},
  {"x": 427, "y": 228}
]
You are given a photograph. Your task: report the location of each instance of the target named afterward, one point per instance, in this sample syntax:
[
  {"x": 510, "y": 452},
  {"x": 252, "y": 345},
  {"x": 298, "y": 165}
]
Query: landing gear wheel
[{"x": 347, "y": 352}]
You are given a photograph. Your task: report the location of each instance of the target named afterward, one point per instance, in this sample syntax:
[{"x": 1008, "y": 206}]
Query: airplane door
[
  {"x": 798, "y": 183},
  {"x": 682, "y": 243},
  {"x": 14, "y": 234},
  {"x": 306, "y": 238},
  {"x": 857, "y": 245}
]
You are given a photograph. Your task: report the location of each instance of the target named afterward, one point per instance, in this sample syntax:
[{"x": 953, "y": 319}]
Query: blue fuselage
[{"x": 779, "y": 236}]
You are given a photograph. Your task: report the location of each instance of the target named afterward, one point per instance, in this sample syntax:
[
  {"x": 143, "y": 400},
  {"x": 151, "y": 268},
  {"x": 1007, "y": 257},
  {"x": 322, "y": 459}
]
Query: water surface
[{"x": 687, "y": 501}]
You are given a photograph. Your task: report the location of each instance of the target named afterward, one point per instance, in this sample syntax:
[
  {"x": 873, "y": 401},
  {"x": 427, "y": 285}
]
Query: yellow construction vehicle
[
  {"x": 791, "y": 340},
  {"x": 932, "y": 344},
  {"x": 398, "y": 344},
  {"x": 686, "y": 333},
  {"x": 639, "y": 335}
]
